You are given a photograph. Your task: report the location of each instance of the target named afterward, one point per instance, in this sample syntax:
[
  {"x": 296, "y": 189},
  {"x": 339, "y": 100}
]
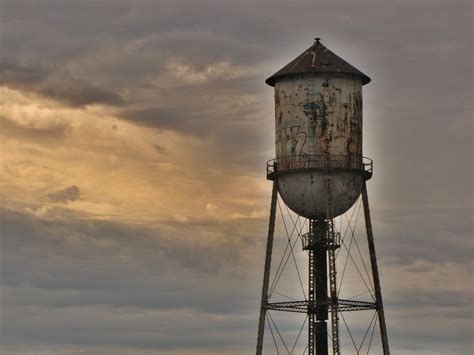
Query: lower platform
[{"x": 302, "y": 306}]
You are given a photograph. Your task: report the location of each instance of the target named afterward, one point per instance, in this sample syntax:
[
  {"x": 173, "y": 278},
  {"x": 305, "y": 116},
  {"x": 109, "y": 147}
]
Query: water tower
[{"x": 320, "y": 172}]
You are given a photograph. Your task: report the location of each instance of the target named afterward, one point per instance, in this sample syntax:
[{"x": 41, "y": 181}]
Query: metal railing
[
  {"x": 311, "y": 239},
  {"x": 317, "y": 162}
]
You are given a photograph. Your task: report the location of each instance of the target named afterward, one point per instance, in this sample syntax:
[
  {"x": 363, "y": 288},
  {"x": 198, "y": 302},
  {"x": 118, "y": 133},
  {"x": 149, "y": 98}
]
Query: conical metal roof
[{"x": 317, "y": 59}]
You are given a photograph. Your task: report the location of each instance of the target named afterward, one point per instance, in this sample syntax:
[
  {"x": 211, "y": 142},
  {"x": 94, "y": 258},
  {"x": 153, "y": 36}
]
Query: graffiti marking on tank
[
  {"x": 315, "y": 110},
  {"x": 293, "y": 138}
]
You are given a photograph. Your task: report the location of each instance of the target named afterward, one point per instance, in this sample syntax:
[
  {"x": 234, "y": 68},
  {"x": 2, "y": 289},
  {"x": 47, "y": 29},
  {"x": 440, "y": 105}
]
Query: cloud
[
  {"x": 443, "y": 237},
  {"x": 159, "y": 149},
  {"x": 211, "y": 209},
  {"x": 186, "y": 72},
  {"x": 94, "y": 263},
  {"x": 77, "y": 92},
  {"x": 62, "y": 86},
  {"x": 68, "y": 194},
  {"x": 157, "y": 117},
  {"x": 161, "y": 109},
  {"x": 112, "y": 275}
]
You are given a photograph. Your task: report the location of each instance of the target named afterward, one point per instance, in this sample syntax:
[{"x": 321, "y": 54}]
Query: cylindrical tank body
[
  {"x": 319, "y": 142},
  {"x": 318, "y": 114}
]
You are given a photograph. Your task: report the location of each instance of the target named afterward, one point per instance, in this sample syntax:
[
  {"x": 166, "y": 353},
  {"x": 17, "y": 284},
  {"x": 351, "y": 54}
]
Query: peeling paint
[{"x": 319, "y": 120}]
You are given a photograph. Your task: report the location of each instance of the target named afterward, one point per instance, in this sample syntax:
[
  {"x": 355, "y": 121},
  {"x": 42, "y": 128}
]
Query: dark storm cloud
[
  {"x": 77, "y": 92},
  {"x": 70, "y": 193},
  {"x": 216, "y": 110},
  {"x": 12, "y": 73},
  {"x": 58, "y": 86},
  {"x": 201, "y": 118},
  {"x": 159, "y": 117}
]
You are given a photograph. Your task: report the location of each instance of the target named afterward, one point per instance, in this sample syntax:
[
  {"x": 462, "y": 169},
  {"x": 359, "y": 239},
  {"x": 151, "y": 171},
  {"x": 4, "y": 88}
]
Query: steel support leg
[
  {"x": 311, "y": 303},
  {"x": 375, "y": 272},
  {"x": 318, "y": 281},
  {"x": 266, "y": 274},
  {"x": 332, "y": 246}
]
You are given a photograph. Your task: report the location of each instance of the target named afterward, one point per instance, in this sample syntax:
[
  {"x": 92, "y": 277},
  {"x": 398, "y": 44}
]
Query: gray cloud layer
[{"x": 197, "y": 69}]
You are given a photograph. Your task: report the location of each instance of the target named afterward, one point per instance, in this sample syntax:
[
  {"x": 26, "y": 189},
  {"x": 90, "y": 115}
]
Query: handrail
[
  {"x": 310, "y": 240},
  {"x": 319, "y": 162}
]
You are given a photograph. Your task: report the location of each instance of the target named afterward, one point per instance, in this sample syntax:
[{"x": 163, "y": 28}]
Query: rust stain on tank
[
  {"x": 318, "y": 122},
  {"x": 318, "y": 116}
]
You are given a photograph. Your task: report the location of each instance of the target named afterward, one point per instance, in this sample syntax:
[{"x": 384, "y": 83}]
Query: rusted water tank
[{"x": 319, "y": 166}]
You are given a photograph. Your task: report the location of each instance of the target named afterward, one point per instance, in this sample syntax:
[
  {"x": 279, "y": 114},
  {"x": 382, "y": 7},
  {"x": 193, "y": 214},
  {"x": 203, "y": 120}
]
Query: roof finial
[{"x": 316, "y": 40}]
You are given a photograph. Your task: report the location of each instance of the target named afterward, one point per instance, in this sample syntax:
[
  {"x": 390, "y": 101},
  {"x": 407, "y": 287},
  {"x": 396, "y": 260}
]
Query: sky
[{"x": 133, "y": 141}]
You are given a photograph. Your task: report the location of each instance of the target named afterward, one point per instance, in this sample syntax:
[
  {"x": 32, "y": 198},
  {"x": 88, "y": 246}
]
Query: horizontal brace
[{"x": 303, "y": 306}]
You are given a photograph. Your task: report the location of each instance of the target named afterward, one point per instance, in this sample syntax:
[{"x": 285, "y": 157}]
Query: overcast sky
[{"x": 133, "y": 142}]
